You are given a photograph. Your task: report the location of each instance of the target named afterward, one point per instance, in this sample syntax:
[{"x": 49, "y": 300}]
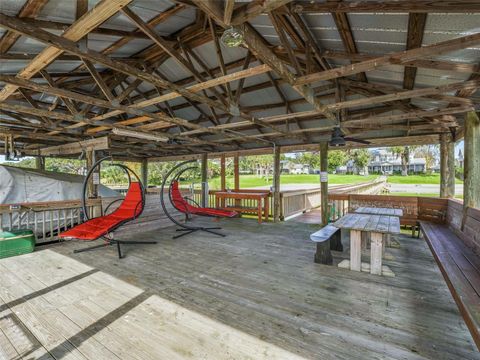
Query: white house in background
[
  {"x": 289, "y": 167},
  {"x": 384, "y": 162}
]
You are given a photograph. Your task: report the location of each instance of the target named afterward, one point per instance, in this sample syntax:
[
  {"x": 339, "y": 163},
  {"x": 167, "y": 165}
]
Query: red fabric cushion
[
  {"x": 129, "y": 209},
  {"x": 183, "y": 206}
]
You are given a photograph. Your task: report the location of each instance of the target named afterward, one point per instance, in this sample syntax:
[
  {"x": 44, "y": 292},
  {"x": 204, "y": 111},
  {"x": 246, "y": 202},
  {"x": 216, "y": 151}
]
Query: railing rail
[
  {"x": 46, "y": 219},
  {"x": 292, "y": 202}
]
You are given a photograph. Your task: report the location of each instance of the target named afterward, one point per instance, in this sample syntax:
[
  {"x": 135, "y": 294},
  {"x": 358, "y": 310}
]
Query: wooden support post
[
  {"x": 223, "y": 183},
  {"x": 443, "y": 165},
  {"x": 204, "y": 170},
  {"x": 324, "y": 184},
  {"x": 223, "y": 180},
  {"x": 451, "y": 169},
  {"x": 40, "y": 163},
  {"x": 471, "y": 183},
  {"x": 92, "y": 186},
  {"x": 144, "y": 173},
  {"x": 236, "y": 176},
  {"x": 236, "y": 172},
  {"x": 276, "y": 184}
]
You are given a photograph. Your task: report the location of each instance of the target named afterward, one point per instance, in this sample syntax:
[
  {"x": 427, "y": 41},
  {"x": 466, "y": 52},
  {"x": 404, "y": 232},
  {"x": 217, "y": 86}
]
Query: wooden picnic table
[
  {"x": 380, "y": 211},
  {"x": 261, "y": 199},
  {"x": 376, "y": 226}
]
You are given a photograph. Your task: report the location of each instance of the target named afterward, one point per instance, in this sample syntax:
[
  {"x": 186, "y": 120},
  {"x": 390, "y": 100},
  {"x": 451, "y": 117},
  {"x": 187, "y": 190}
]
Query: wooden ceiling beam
[
  {"x": 97, "y": 15},
  {"x": 420, "y": 63},
  {"x": 101, "y": 143},
  {"x": 228, "y": 11},
  {"x": 29, "y": 10},
  {"x": 362, "y": 6},
  {"x": 97, "y": 102},
  {"x": 402, "y": 56},
  {"x": 194, "y": 88},
  {"x": 416, "y": 28},
  {"x": 252, "y": 9},
  {"x": 102, "y": 85},
  {"x": 62, "y": 44},
  {"x": 345, "y": 31},
  {"x": 256, "y": 44}
]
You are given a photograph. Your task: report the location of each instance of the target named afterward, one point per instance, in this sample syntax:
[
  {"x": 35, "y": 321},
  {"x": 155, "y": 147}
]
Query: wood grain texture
[
  {"x": 260, "y": 284},
  {"x": 102, "y": 11}
]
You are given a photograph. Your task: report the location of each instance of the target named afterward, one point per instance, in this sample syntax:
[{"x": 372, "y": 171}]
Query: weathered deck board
[{"x": 256, "y": 290}]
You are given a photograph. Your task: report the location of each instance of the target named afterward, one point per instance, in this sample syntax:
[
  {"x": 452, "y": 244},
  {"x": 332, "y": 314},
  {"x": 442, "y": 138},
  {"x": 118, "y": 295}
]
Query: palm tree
[{"x": 404, "y": 153}]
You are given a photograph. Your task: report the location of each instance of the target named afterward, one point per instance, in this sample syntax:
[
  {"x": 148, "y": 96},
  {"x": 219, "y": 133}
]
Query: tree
[
  {"x": 404, "y": 153},
  {"x": 70, "y": 166},
  {"x": 361, "y": 157},
  {"x": 336, "y": 158},
  {"x": 310, "y": 158},
  {"x": 430, "y": 153}
]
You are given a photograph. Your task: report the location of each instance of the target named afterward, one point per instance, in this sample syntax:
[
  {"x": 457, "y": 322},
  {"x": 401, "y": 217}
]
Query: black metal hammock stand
[
  {"x": 187, "y": 205},
  {"x": 131, "y": 207}
]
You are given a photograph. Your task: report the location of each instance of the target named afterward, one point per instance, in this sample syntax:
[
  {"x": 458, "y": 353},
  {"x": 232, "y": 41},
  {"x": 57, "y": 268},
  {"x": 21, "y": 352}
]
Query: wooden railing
[
  {"x": 292, "y": 202},
  {"x": 46, "y": 219},
  {"x": 297, "y": 201},
  {"x": 414, "y": 207}
]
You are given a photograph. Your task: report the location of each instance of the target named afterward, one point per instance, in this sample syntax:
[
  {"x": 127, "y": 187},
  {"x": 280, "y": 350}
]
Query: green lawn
[
  {"x": 250, "y": 181},
  {"x": 417, "y": 179}
]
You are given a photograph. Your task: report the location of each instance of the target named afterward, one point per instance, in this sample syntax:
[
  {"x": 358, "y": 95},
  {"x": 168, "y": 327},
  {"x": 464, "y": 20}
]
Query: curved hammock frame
[
  {"x": 104, "y": 225},
  {"x": 178, "y": 171}
]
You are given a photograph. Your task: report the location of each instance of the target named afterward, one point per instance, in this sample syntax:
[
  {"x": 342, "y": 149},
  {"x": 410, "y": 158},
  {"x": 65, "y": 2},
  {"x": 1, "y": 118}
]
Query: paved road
[
  {"x": 421, "y": 188},
  {"x": 297, "y": 186}
]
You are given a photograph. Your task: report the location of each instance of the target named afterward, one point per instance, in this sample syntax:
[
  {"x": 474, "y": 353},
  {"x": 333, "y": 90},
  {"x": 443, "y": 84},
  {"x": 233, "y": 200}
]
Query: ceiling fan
[{"x": 338, "y": 138}]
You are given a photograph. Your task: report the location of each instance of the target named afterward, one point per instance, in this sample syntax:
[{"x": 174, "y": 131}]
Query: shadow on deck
[{"x": 253, "y": 294}]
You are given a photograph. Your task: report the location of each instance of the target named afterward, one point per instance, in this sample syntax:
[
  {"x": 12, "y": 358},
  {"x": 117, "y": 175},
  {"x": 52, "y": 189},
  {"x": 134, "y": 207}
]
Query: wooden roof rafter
[{"x": 127, "y": 99}]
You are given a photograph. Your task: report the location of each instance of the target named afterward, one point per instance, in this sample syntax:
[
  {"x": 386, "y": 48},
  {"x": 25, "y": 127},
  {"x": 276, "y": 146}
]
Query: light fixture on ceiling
[
  {"x": 139, "y": 135},
  {"x": 337, "y": 139},
  {"x": 232, "y": 37}
]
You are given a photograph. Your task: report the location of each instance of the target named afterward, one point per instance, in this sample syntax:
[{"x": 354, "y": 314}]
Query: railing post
[{"x": 276, "y": 184}]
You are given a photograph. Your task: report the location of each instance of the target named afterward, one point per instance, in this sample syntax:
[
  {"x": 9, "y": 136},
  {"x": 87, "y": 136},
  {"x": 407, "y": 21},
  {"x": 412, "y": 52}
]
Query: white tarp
[{"x": 21, "y": 185}]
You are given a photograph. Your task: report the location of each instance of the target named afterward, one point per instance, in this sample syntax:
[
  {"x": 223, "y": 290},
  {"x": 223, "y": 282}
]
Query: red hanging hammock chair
[
  {"x": 130, "y": 208},
  {"x": 182, "y": 205}
]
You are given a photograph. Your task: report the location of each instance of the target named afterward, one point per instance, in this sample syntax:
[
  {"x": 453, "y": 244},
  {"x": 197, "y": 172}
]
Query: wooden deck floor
[{"x": 255, "y": 294}]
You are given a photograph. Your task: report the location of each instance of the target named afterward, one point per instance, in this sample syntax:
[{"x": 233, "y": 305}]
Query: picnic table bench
[
  {"x": 379, "y": 211},
  {"x": 460, "y": 268},
  {"x": 376, "y": 226},
  {"x": 327, "y": 238}
]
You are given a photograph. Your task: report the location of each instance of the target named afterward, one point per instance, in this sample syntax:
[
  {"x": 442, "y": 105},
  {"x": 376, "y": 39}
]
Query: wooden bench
[
  {"x": 327, "y": 238},
  {"x": 461, "y": 269}
]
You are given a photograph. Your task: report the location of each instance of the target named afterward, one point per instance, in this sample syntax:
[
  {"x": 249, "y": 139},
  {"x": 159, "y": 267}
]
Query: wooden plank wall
[
  {"x": 432, "y": 209},
  {"x": 470, "y": 231},
  {"x": 409, "y": 205}
]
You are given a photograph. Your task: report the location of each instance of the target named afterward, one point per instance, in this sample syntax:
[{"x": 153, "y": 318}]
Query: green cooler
[{"x": 16, "y": 242}]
